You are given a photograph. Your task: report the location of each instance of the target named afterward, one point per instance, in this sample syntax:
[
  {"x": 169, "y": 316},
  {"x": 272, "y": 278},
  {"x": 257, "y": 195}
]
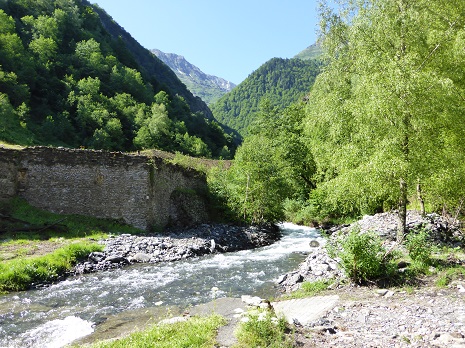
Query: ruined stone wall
[
  {"x": 9, "y": 160},
  {"x": 142, "y": 191}
]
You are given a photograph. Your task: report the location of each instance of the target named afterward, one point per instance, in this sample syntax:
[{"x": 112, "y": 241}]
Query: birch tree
[{"x": 387, "y": 111}]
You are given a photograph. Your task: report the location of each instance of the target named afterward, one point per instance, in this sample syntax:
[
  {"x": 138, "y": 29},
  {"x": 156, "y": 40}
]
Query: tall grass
[
  {"x": 20, "y": 274},
  {"x": 263, "y": 329},
  {"x": 195, "y": 332}
]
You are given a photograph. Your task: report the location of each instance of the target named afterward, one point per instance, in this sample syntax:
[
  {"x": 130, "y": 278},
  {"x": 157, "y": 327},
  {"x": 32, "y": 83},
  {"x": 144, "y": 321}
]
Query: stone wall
[{"x": 145, "y": 192}]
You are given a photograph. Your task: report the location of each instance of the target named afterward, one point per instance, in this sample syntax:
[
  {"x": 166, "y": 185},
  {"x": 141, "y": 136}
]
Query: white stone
[
  {"x": 251, "y": 300},
  {"x": 173, "y": 320}
]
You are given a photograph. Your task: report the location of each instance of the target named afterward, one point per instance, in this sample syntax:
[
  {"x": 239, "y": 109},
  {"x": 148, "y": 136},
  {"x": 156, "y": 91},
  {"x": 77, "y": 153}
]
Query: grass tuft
[
  {"x": 263, "y": 329},
  {"x": 195, "y": 332},
  {"x": 309, "y": 289}
]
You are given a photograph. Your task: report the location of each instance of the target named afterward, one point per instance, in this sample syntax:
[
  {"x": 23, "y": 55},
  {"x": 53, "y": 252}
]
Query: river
[{"x": 74, "y": 308}]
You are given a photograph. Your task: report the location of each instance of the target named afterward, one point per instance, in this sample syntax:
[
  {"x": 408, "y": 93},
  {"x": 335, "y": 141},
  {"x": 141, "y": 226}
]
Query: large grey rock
[{"x": 306, "y": 310}]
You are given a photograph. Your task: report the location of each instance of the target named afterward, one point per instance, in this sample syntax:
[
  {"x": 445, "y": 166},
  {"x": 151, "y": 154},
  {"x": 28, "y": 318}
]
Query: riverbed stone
[{"x": 140, "y": 257}]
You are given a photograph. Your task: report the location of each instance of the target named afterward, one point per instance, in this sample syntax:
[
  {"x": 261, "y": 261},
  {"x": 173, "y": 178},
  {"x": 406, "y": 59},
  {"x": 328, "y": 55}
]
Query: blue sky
[{"x": 226, "y": 38}]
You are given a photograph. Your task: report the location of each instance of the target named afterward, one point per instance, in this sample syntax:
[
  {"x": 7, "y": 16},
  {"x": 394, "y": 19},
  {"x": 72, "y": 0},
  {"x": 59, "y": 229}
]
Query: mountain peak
[{"x": 208, "y": 87}]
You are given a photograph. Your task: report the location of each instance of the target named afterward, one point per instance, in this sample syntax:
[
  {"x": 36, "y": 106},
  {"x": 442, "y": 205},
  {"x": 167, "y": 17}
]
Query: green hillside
[
  {"x": 280, "y": 81},
  {"x": 71, "y": 76}
]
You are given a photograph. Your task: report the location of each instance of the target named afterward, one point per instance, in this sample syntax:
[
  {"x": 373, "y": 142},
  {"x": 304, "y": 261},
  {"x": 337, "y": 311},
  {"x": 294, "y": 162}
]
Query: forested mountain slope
[
  {"x": 280, "y": 81},
  {"x": 69, "y": 75},
  {"x": 208, "y": 87}
]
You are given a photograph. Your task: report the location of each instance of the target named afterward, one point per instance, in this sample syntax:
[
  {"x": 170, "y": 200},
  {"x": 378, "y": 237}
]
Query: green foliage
[
  {"x": 309, "y": 289},
  {"x": 362, "y": 256},
  {"x": 263, "y": 329},
  {"x": 449, "y": 275},
  {"x": 71, "y": 82},
  {"x": 17, "y": 275},
  {"x": 195, "y": 332},
  {"x": 419, "y": 248},
  {"x": 272, "y": 165},
  {"x": 281, "y": 81},
  {"x": 386, "y": 108}
]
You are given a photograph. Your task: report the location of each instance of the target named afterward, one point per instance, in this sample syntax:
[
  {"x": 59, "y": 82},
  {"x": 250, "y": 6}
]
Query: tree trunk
[
  {"x": 246, "y": 196},
  {"x": 420, "y": 199},
  {"x": 402, "y": 225}
]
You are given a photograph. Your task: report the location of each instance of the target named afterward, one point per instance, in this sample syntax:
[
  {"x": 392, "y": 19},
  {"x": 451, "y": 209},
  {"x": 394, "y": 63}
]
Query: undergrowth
[
  {"x": 308, "y": 289},
  {"x": 55, "y": 225},
  {"x": 263, "y": 329}
]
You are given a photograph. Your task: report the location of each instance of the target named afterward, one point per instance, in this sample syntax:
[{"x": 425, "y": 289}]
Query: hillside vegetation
[
  {"x": 70, "y": 76},
  {"x": 280, "y": 81}
]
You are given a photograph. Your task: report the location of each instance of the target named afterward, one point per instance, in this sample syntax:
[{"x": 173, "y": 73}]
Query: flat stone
[
  {"x": 381, "y": 292},
  {"x": 306, "y": 310}
]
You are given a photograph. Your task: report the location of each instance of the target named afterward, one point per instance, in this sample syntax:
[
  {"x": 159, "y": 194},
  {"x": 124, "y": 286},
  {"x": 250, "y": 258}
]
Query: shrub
[
  {"x": 263, "y": 329},
  {"x": 362, "y": 256},
  {"x": 419, "y": 248}
]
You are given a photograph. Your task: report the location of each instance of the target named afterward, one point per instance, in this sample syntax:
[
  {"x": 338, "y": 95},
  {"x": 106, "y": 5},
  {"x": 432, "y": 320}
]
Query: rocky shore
[
  {"x": 176, "y": 245},
  {"x": 413, "y": 316},
  {"x": 319, "y": 266}
]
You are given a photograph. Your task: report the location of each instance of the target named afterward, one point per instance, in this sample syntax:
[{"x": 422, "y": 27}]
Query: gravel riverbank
[{"x": 176, "y": 245}]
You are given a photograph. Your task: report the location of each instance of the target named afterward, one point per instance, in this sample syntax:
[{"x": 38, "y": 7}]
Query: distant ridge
[
  {"x": 281, "y": 81},
  {"x": 311, "y": 52},
  {"x": 208, "y": 87}
]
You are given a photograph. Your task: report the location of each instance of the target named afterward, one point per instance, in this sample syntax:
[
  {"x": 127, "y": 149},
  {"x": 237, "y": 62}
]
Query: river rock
[
  {"x": 140, "y": 257},
  {"x": 117, "y": 259},
  {"x": 314, "y": 244}
]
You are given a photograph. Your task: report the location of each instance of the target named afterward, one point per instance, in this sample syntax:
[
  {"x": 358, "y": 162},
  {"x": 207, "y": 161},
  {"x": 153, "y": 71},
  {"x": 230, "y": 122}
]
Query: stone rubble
[
  {"x": 177, "y": 245},
  {"x": 425, "y": 318},
  {"x": 319, "y": 266},
  {"x": 367, "y": 317}
]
